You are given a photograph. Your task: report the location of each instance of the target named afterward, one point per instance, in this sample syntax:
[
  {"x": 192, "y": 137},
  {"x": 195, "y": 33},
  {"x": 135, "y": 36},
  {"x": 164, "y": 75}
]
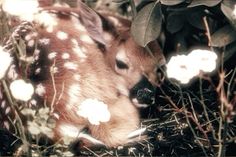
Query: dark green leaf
[
  {"x": 208, "y": 3},
  {"x": 171, "y": 2},
  {"x": 230, "y": 51},
  {"x": 146, "y": 26},
  {"x": 175, "y": 22},
  {"x": 223, "y": 36},
  {"x": 195, "y": 18},
  {"x": 228, "y": 12}
]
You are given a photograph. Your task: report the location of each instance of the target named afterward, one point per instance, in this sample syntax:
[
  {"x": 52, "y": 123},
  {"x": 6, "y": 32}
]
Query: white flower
[
  {"x": 5, "y": 61},
  {"x": 36, "y": 129},
  {"x": 96, "y": 111},
  {"x": 21, "y": 90},
  {"x": 62, "y": 35},
  {"x": 181, "y": 68},
  {"x": 24, "y": 9},
  {"x": 184, "y": 67},
  {"x": 204, "y": 59}
]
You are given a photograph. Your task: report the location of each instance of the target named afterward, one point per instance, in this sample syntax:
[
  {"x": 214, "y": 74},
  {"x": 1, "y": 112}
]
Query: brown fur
[{"x": 99, "y": 79}]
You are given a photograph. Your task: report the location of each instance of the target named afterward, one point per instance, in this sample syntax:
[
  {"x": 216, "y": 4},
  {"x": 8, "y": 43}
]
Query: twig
[
  {"x": 54, "y": 87},
  {"x": 133, "y": 8}
]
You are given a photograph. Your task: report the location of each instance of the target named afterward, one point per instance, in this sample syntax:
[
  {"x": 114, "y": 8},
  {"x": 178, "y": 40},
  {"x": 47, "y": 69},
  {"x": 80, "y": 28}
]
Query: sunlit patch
[
  {"x": 52, "y": 55},
  {"x": 85, "y": 38},
  {"x": 65, "y": 56},
  {"x": 5, "y": 61},
  {"x": 77, "y": 77},
  {"x": 49, "y": 21},
  {"x": 35, "y": 129},
  {"x": 16, "y": 88},
  {"x": 30, "y": 43},
  {"x": 30, "y": 36},
  {"x": 70, "y": 65},
  {"x": 62, "y": 35},
  {"x": 94, "y": 110},
  {"x": 24, "y": 9},
  {"x": 40, "y": 90},
  {"x": 183, "y": 68},
  {"x": 76, "y": 49},
  {"x": 69, "y": 130},
  {"x": 44, "y": 41},
  {"x": 73, "y": 92}
]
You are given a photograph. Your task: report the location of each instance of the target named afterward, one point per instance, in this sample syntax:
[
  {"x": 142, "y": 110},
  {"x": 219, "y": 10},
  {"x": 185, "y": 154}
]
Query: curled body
[{"x": 80, "y": 56}]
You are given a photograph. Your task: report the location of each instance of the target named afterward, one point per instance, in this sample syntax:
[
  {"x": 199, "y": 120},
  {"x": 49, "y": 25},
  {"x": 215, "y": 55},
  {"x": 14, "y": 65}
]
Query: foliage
[
  {"x": 192, "y": 120},
  {"x": 185, "y": 24}
]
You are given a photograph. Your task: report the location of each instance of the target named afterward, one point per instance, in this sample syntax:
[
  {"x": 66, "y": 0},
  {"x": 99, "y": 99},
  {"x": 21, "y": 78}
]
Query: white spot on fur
[
  {"x": 94, "y": 110},
  {"x": 77, "y": 49},
  {"x": 65, "y": 56},
  {"x": 37, "y": 71},
  {"x": 85, "y": 38},
  {"x": 78, "y": 25},
  {"x": 16, "y": 88},
  {"x": 62, "y": 35},
  {"x": 36, "y": 54},
  {"x": 44, "y": 41},
  {"x": 52, "y": 55},
  {"x": 40, "y": 90},
  {"x": 70, "y": 65}
]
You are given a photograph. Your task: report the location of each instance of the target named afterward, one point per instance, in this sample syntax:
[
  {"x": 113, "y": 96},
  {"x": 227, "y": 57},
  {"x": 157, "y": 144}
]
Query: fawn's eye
[{"x": 121, "y": 65}]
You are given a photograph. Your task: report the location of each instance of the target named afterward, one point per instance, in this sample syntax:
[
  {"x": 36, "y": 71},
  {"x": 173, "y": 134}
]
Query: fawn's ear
[{"x": 92, "y": 22}]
